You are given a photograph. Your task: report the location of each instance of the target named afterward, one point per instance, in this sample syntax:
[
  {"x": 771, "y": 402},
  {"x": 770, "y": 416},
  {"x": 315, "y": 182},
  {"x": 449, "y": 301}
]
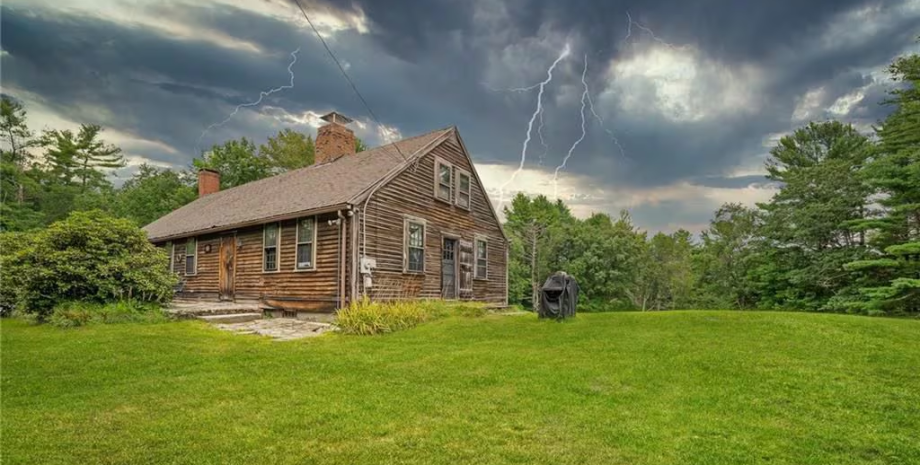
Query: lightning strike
[
  {"x": 512, "y": 89},
  {"x": 648, "y": 31},
  {"x": 584, "y": 101},
  {"x": 537, "y": 112},
  {"x": 256, "y": 102},
  {"x": 600, "y": 120}
]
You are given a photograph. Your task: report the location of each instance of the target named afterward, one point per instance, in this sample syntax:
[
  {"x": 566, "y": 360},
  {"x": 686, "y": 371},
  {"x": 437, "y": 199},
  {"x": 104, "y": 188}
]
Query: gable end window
[
  {"x": 464, "y": 187},
  {"x": 306, "y": 243},
  {"x": 482, "y": 258},
  {"x": 191, "y": 256},
  {"x": 443, "y": 180},
  {"x": 414, "y": 246},
  {"x": 271, "y": 236}
]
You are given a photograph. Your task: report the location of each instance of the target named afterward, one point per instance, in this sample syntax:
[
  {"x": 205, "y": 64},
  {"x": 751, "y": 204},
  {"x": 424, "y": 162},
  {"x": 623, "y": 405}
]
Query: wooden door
[
  {"x": 227, "y": 273},
  {"x": 449, "y": 269}
]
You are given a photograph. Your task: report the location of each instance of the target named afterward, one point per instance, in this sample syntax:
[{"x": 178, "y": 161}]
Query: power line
[{"x": 350, "y": 82}]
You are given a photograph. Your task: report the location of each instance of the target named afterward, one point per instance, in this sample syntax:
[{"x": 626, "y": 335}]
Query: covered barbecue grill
[{"x": 558, "y": 296}]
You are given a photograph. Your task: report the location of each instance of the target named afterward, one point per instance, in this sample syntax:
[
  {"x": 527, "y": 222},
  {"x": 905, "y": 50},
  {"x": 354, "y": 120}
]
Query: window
[
  {"x": 171, "y": 250},
  {"x": 306, "y": 230},
  {"x": 271, "y": 235},
  {"x": 466, "y": 267},
  {"x": 482, "y": 259},
  {"x": 463, "y": 189},
  {"x": 415, "y": 246},
  {"x": 191, "y": 256},
  {"x": 443, "y": 177}
]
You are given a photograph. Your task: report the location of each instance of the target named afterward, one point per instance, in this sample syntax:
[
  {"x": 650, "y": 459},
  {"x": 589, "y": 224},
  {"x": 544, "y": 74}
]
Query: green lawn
[{"x": 630, "y": 388}]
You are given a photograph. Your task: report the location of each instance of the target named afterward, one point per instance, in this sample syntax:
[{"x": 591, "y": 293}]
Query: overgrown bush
[
  {"x": 72, "y": 314},
  {"x": 88, "y": 257},
  {"x": 11, "y": 270},
  {"x": 364, "y": 317}
]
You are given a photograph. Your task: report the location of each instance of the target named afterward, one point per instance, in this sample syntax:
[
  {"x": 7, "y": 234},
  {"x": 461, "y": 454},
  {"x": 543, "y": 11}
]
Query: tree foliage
[
  {"x": 288, "y": 150},
  {"x": 236, "y": 161},
  {"x": 152, "y": 193}
]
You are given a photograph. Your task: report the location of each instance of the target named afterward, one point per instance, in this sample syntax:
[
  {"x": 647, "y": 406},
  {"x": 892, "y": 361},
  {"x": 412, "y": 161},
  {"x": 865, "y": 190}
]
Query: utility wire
[{"x": 350, "y": 82}]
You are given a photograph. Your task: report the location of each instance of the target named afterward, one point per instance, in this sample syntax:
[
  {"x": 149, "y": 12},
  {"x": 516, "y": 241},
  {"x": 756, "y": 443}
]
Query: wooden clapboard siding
[
  {"x": 314, "y": 289},
  {"x": 412, "y": 193}
]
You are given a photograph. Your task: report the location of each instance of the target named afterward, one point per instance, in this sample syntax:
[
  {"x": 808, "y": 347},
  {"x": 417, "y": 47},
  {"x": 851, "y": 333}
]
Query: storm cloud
[{"x": 691, "y": 94}]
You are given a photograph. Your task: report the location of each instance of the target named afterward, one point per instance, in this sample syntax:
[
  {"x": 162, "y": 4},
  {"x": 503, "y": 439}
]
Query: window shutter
[{"x": 466, "y": 269}]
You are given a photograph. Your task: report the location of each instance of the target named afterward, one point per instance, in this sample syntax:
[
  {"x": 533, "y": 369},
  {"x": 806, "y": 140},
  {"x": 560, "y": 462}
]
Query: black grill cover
[{"x": 558, "y": 296}]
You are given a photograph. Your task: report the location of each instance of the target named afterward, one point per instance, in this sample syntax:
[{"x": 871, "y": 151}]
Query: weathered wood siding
[
  {"x": 412, "y": 193},
  {"x": 307, "y": 290}
]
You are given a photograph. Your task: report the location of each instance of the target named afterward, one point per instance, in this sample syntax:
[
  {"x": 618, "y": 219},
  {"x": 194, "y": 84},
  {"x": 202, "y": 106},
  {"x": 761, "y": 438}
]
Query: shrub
[
  {"x": 88, "y": 257},
  {"x": 364, "y": 317},
  {"x": 72, "y": 314},
  {"x": 12, "y": 245}
]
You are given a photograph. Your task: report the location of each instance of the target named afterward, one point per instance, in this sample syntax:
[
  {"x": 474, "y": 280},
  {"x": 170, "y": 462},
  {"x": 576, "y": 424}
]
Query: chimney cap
[
  {"x": 335, "y": 117},
  {"x": 210, "y": 170}
]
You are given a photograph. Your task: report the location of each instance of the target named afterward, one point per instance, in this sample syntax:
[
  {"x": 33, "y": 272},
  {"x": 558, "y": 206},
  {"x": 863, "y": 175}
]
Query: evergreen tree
[{"x": 891, "y": 281}]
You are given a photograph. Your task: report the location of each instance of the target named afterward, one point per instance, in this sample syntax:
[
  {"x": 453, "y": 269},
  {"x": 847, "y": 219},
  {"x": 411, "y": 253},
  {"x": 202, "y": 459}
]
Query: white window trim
[
  {"x": 472, "y": 264},
  {"x": 297, "y": 243},
  {"x": 438, "y": 163},
  {"x": 469, "y": 192},
  {"x": 406, "y": 221},
  {"x": 277, "y": 249},
  {"x": 194, "y": 256},
  {"x": 171, "y": 248},
  {"x": 476, "y": 240}
]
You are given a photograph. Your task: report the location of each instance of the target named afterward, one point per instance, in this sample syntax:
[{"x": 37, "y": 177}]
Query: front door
[
  {"x": 227, "y": 271},
  {"x": 449, "y": 269}
]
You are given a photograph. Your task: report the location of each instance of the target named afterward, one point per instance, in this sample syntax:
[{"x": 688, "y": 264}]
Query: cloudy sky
[{"x": 688, "y": 97}]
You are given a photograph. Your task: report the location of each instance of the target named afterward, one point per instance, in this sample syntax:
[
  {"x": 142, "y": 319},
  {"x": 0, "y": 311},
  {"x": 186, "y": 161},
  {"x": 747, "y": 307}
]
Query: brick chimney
[
  {"x": 334, "y": 139},
  {"x": 208, "y": 182}
]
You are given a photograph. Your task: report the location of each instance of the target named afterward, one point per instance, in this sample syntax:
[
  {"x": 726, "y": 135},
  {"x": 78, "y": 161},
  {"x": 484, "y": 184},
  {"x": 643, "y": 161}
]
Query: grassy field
[{"x": 623, "y": 388}]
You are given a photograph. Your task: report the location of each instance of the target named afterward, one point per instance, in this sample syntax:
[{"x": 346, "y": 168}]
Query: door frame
[
  {"x": 456, "y": 240},
  {"x": 231, "y": 295}
]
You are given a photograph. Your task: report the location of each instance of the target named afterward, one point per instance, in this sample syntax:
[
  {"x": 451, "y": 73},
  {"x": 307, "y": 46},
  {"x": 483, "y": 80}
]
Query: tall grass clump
[
  {"x": 77, "y": 313},
  {"x": 365, "y": 317}
]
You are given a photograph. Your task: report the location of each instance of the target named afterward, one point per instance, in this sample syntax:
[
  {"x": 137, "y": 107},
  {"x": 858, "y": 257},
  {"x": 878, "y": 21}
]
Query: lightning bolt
[
  {"x": 256, "y": 102},
  {"x": 537, "y": 112},
  {"x": 648, "y": 31},
  {"x": 584, "y": 100},
  {"x": 600, "y": 120}
]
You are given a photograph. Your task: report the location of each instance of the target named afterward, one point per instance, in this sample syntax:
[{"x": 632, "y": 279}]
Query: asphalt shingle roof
[{"x": 301, "y": 190}]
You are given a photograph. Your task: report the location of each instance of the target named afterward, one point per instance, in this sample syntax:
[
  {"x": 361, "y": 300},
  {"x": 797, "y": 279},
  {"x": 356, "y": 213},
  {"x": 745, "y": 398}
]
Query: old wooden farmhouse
[{"x": 402, "y": 221}]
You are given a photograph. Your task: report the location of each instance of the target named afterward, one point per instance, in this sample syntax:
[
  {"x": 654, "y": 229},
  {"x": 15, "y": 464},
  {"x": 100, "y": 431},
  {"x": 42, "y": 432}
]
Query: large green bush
[{"x": 88, "y": 257}]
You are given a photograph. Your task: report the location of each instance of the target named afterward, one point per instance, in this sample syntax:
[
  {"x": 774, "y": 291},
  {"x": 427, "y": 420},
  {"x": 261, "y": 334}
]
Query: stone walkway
[{"x": 279, "y": 329}]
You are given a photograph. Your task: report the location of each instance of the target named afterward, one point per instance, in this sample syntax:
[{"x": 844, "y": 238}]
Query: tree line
[
  {"x": 842, "y": 234},
  {"x": 45, "y": 177}
]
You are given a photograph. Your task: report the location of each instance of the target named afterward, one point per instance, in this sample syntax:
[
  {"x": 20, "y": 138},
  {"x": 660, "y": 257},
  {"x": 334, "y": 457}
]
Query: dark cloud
[{"x": 423, "y": 65}]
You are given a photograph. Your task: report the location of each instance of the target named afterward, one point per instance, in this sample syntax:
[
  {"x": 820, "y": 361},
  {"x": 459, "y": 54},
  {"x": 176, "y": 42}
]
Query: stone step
[{"x": 231, "y": 318}]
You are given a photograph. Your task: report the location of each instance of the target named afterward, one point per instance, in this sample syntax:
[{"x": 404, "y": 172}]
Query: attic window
[
  {"x": 463, "y": 189},
  {"x": 270, "y": 238},
  {"x": 443, "y": 185}
]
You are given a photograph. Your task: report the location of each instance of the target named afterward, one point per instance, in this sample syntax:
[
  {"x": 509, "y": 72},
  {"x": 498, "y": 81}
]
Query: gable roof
[{"x": 304, "y": 190}]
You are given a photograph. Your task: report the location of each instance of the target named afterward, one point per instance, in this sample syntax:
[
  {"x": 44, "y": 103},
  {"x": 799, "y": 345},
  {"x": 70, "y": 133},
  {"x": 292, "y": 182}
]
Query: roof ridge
[{"x": 296, "y": 190}]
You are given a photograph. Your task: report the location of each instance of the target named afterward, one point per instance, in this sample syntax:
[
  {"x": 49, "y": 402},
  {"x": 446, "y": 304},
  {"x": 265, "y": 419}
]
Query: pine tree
[
  {"x": 80, "y": 159},
  {"x": 895, "y": 174}
]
